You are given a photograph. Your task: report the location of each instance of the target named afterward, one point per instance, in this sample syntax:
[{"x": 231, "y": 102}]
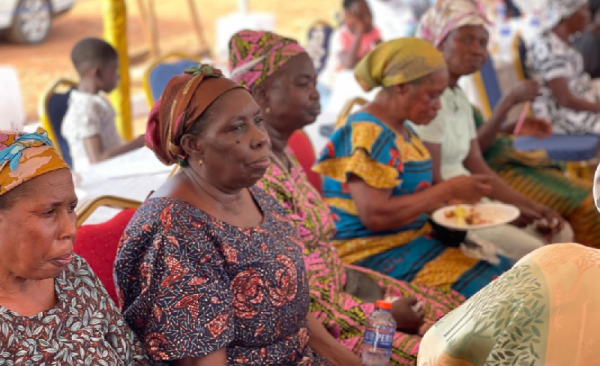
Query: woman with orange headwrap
[
  {"x": 53, "y": 309},
  {"x": 209, "y": 271}
]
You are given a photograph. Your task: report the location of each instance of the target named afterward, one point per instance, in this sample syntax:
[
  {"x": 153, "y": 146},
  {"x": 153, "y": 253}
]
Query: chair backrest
[
  {"x": 161, "y": 70},
  {"x": 317, "y": 47},
  {"x": 54, "y": 107},
  {"x": 97, "y": 244},
  {"x": 488, "y": 87},
  {"x": 520, "y": 58},
  {"x": 305, "y": 153}
]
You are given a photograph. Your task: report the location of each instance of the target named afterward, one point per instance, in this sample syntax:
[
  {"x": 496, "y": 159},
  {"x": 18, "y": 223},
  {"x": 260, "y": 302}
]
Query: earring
[
  {"x": 268, "y": 110},
  {"x": 200, "y": 161}
]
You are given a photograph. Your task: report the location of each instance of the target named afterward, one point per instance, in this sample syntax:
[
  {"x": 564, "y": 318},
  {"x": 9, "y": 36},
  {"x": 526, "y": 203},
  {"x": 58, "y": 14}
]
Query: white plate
[{"x": 495, "y": 213}]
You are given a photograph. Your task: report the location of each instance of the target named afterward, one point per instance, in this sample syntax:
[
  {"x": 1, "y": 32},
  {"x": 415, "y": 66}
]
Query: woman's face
[
  {"x": 38, "y": 228},
  {"x": 465, "y": 49},
  {"x": 423, "y": 101},
  {"x": 234, "y": 146},
  {"x": 580, "y": 19},
  {"x": 359, "y": 16},
  {"x": 291, "y": 96}
]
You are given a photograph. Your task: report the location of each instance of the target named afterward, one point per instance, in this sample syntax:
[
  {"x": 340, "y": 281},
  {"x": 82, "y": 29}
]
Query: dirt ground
[{"x": 39, "y": 65}]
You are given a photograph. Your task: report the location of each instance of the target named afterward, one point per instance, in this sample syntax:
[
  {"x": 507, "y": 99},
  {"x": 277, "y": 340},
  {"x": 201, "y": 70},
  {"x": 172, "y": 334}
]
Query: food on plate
[{"x": 464, "y": 216}]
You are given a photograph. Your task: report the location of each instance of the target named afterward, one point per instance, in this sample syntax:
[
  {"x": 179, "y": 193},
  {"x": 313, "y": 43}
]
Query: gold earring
[
  {"x": 268, "y": 110},
  {"x": 200, "y": 161}
]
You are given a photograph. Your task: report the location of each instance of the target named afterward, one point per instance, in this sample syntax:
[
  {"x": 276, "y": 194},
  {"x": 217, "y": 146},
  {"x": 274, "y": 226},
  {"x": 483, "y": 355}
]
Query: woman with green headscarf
[{"x": 377, "y": 175}]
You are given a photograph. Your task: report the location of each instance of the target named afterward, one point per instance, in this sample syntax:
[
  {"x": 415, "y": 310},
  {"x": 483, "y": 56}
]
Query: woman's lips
[{"x": 62, "y": 261}]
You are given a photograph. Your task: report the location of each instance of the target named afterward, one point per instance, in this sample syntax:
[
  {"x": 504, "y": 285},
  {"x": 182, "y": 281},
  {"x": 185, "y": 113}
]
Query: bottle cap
[{"x": 380, "y": 304}]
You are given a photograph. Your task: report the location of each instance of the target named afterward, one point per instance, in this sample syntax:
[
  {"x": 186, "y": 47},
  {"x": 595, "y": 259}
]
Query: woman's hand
[
  {"x": 470, "y": 189},
  {"x": 536, "y": 127},
  {"x": 549, "y": 221},
  {"x": 525, "y": 91},
  {"x": 407, "y": 320}
]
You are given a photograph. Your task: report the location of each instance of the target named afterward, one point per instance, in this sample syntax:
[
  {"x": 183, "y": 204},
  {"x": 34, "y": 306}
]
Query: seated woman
[
  {"x": 538, "y": 313},
  {"x": 287, "y": 94},
  {"x": 378, "y": 175},
  {"x": 457, "y": 28},
  {"x": 209, "y": 270},
  {"x": 53, "y": 309},
  {"x": 568, "y": 97}
]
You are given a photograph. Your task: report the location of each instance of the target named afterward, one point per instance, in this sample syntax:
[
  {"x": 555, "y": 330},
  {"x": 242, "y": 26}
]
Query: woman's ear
[{"x": 192, "y": 146}]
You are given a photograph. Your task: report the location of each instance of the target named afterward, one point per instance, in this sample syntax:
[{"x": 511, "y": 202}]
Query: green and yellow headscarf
[{"x": 398, "y": 62}]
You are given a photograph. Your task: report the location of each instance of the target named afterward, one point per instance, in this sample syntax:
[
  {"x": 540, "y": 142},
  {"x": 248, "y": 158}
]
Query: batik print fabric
[
  {"x": 84, "y": 328},
  {"x": 542, "y": 312},
  {"x": 191, "y": 285},
  {"x": 551, "y": 58},
  {"x": 342, "y": 314},
  {"x": 369, "y": 149}
]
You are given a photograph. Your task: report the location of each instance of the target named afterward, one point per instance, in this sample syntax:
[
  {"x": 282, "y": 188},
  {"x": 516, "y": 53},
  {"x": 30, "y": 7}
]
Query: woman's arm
[
  {"x": 379, "y": 211},
  {"x": 217, "y": 358},
  {"x": 486, "y": 134},
  {"x": 564, "y": 97},
  {"x": 435, "y": 150},
  {"x": 324, "y": 344}
]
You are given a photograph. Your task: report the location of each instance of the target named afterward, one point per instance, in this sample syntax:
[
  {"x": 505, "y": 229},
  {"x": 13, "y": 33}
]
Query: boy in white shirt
[{"x": 89, "y": 124}]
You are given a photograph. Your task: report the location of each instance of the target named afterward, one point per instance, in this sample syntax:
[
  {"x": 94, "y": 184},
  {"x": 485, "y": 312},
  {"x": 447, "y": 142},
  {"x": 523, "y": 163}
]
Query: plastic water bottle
[{"x": 379, "y": 336}]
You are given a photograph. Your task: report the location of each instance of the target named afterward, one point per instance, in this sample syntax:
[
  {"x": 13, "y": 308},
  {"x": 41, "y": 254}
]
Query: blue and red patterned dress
[{"x": 191, "y": 284}]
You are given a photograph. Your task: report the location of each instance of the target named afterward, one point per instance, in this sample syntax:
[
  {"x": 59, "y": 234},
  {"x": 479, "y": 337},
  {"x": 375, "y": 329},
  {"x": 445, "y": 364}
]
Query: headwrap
[
  {"x": 24, "y": 156},
  {"x": 543, "y": 311},
  {"x": 184, "y": 100},
  {"x": 397, "y": 62},
  {"x": 557, "y": 10},
  {"x": 254, "y": 56},
  {"x": 448, "y": 15}
]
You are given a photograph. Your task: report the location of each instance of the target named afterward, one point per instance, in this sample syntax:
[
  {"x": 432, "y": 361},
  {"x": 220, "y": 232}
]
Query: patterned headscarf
[
  {"x": 184, "y": 100},
  {"x": 543, "y": 311},
  {"x": 397, "y": 62},
  {"x": 557, "y": 10},
  {"x": 448, "y": 15},
  {"x": 24, "y": 156},
  {"x": 254, "y": 56}
]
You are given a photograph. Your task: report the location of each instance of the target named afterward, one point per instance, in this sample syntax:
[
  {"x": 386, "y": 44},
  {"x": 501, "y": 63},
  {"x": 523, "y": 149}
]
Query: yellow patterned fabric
[
  {"x": 24, "y": 156},
  {"x": 543, "y": 311},
  {"x": 367, "y": 148},
  {"x": 398, "y": 62}
]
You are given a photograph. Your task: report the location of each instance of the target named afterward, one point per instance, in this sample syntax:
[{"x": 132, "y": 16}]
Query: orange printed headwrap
[
  {"x": 24, "y": 156},
  {"x": 184, "y": 100}
]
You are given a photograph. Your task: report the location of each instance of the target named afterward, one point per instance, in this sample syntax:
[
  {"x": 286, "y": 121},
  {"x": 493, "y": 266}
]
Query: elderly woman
[
  {"x": 568, "y": 97},
  {"x": 457, "y": 29},
  {"x": 209, "y": 271},
  {"x": 53, "y": 309},
  {"x": 378, "y": 175},
  {"x": 538, "y": 313},
  {"x": 285, "y": 90}
]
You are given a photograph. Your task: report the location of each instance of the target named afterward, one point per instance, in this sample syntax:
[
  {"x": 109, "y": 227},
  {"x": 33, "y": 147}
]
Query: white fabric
[
  {"x": 557, "y": 10},
  {"x": 332, "y": 65},
  {"x": 454, "y": 129},
  {"x": 88, "y": 115},
  {"x": 551, "y": 58},
  {"x": 12, "y": 109},
  {"x": 394, "y": 18}
]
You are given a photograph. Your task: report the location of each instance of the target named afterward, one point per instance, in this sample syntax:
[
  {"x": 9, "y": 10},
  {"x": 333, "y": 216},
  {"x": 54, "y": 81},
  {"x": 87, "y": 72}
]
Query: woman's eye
[{"x": 258, "y": 120}]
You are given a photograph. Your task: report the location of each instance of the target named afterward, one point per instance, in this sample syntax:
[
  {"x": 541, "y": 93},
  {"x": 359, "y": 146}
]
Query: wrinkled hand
[
  {"x": 407, "y": 320},
  {"x": 524, "y": 91},
  {"x": 550, "y": 224},
  {"x": 536, "y": 127},
  {"x": 470, "y": 189}
]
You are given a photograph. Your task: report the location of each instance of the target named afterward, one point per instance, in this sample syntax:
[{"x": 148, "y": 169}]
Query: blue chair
[
  {"x": 318, "y": 44},
  {"x": 160, "y": 71},
  {"x": 575, "y": 150},
  {"x": 54, "y": 107},
  {"x": 488, "y": 87}
]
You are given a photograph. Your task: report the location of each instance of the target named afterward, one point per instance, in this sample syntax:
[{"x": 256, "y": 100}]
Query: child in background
[
  {"x": 356, "y": 37},
  {"x": 89, "y": 124}
]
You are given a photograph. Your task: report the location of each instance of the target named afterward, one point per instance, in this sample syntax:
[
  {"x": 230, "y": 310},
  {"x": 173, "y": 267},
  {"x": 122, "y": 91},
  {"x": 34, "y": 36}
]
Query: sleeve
[
  {"x": 121, "y": 338},
  {"x": 89, "y": 123},
  {"x": 434, "y": 131},
  {"x": 551, "y": 60},
  {"x": 365, "y": 149},
  {"x": 186, "y": 310}
]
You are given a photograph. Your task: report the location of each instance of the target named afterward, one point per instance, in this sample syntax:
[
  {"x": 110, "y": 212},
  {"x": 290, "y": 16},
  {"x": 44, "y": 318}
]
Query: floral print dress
[
  {"x": 342, "y": 314},
  {"x": 191, "y": 284},
  {"x": 84, "y": 328}
]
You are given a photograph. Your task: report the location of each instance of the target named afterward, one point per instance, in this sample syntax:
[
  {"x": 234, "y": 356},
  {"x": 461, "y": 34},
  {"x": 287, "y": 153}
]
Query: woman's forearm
[{"x": 486, "y": 134}]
